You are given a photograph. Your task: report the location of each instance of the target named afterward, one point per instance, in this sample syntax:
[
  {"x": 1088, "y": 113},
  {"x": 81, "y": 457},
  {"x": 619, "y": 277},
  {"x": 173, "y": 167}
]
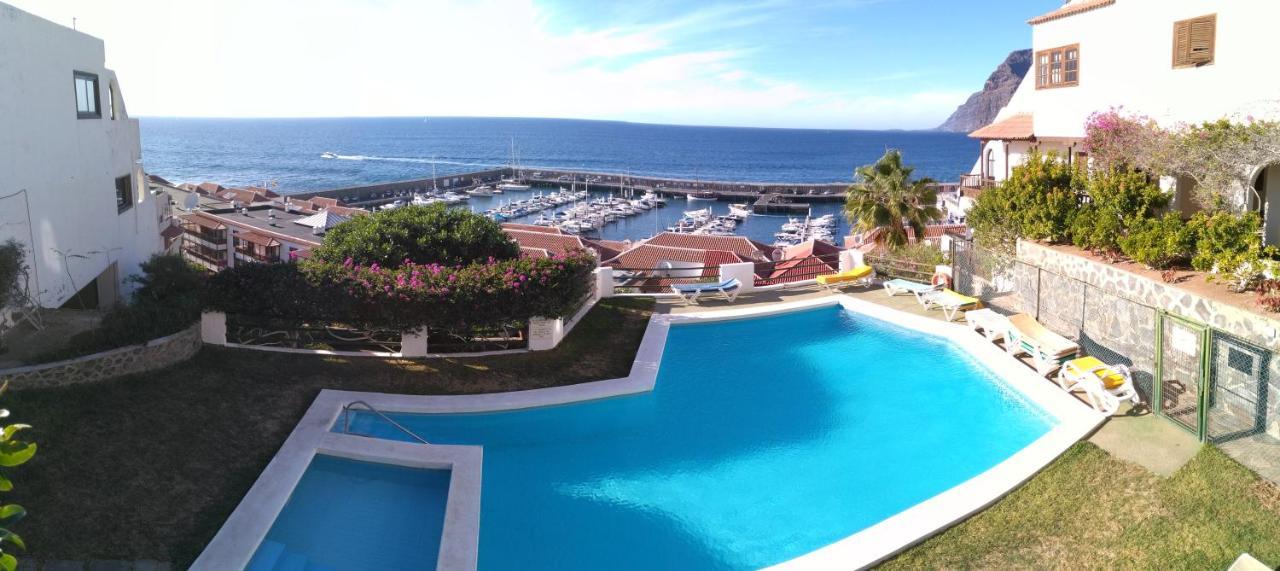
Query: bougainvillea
[{"x": 409, "y": 296}]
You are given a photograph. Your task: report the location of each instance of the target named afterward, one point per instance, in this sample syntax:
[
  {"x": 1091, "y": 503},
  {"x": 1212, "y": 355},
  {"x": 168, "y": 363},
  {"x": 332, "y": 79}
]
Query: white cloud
[{"x": 453, "y": 57}]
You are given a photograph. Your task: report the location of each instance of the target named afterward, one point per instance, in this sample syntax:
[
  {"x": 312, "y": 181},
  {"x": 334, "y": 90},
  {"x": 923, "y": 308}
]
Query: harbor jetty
[{"x": 793, "y": 193}]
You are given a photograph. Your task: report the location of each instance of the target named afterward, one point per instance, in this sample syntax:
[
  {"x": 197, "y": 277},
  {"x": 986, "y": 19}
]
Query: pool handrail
[{"x": 346, "y": 420}]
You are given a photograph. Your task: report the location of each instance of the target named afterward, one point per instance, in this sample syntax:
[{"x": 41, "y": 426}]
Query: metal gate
[
  {"x": 1181, "y": 371},
  {"x": 963, "y": 264},
  {"x": 1239, "y": 389}
]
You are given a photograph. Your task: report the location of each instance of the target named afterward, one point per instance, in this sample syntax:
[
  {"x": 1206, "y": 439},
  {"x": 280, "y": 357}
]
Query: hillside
[{"x": 981, "y": 107}]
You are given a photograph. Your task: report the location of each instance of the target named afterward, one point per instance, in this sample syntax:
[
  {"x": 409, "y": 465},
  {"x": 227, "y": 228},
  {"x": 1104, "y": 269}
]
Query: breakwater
[{"x": 373, "y": 194}]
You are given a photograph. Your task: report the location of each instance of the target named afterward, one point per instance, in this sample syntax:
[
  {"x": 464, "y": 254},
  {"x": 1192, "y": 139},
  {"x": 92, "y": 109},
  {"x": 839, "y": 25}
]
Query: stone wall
[
  {"x": 155, "y": 354},
  {"x": 1114, "y": 314}
]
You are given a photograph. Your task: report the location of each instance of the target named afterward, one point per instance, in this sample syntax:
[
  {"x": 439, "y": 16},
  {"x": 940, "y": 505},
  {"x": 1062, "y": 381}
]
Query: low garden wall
[{"x": 155, "y": 354}]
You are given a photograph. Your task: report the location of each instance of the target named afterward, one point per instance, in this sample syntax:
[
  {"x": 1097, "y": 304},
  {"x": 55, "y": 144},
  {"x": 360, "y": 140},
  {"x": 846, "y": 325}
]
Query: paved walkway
[{"x": 1134, "y": 436}]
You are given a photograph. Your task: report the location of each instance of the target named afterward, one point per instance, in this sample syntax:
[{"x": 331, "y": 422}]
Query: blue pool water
[
  {"x": 764, "y": 439},
  {"x": 347, "y": 514}
]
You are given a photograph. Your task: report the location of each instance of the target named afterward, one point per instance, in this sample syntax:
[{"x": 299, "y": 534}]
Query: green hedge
[{"x": 407, "y": 297}]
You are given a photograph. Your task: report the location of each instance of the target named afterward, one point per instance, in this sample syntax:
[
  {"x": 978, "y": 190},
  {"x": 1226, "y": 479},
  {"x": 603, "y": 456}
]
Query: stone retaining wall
[
  {"x": 155, "y": 354},
  {"x": 1114, "y": 314}
]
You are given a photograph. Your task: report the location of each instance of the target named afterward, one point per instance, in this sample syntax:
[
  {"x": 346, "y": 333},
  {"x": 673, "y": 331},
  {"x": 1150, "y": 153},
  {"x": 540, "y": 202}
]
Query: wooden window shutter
[
  {"x": 1202, "y": 37},
  {"x": 1193, "y": 41}
]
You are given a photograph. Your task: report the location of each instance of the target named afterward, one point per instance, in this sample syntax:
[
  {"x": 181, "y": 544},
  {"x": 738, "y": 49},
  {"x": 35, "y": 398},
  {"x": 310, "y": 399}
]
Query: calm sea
[{"x": 286, "y": 152}]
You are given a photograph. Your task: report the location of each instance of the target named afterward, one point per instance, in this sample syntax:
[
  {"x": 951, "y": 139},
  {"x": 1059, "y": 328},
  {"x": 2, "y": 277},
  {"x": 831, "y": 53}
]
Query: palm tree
[{"x": 886, "y": 197}]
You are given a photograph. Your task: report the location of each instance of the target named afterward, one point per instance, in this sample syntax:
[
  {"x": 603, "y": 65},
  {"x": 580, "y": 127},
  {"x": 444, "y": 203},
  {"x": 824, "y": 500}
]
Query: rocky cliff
[{"x": 982, "y": 106}]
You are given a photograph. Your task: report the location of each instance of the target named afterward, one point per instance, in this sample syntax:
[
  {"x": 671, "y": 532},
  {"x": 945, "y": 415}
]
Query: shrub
[
  {"x": 919, "y": 253},
  {"x": 1118, "y": 199},
  {"x": 1269, "y": 294},
  {"x": 1038, "y": 201},
  {"x": 1228, "y": 245},
  {"x": 166, "y": 301},
  {"x": 424, "y": 234},
  {"x": 12, "y": 268},
  {"x": 13, "y": 452},
  {"x": 408, "y": 297},
  {"x": 1159, "y": 243},
  {"x": 171, "y": 281}
]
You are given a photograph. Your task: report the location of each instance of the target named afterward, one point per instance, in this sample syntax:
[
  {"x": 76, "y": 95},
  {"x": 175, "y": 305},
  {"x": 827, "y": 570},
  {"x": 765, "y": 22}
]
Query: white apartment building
[
  {"x": 72, "y": 188},
  {"x": 1176, "y": 61}
]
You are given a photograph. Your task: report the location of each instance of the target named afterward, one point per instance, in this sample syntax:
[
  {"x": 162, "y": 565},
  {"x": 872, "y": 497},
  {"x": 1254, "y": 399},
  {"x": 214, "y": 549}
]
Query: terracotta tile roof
[
  {"x": 1018, "y": 127},
  {"x": 202, "y": 220},
  {"x": 619, "y": 245},
  {"x": 256, "y": 238},
  {"x": 649, "y": 256},
  {"x": 554, "y": 243},
  {"x": 263, "y": 191},
  {"x": 534, "y": 253},
  {"x": 750, "y": 250},
  {"x": 532, "y": 228},
  {"x": 208, "y": 187},
  {"x": 1071, "y": 9},
  {"x": 803, "y": 261},
  {"x": 603, "y": 248},
  {"x": 171, "y": 232}
]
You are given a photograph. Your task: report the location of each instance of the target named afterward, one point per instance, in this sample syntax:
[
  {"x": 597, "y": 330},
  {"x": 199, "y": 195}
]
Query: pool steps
[{"x": 274, "y": 556}]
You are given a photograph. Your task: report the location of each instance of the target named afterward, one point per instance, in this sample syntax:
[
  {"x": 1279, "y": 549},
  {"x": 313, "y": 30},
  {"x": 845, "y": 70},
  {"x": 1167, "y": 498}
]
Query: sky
[{"x": 870, "y": 64}]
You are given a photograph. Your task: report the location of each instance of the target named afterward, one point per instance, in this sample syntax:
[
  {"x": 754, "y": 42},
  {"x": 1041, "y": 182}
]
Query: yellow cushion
[
  {"x": 845, "y": 276},
  {"x": 1110, "y": 377}
]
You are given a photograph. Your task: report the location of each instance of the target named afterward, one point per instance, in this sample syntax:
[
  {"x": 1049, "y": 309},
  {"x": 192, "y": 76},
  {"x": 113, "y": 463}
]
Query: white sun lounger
[
  {"x": 897, "y": 285},
  {"x": 690, "y": 292},
  {"x": 1105, "y": 386},
  {"x": 990, "y": 324}
]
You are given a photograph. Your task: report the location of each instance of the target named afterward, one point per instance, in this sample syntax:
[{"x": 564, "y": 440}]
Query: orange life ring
[{"x": 941, "y": 279}]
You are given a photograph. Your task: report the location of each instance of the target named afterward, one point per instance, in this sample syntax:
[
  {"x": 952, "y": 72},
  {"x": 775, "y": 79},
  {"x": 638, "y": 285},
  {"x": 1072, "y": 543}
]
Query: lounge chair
[
  {"x": 896, "y": 286},
  {"x": 1103, "y": 385},
  {"x": 861, "y": 275},
  {"x": 1048, "y": 350},
  {"x": 993, "y": 326},
  {"x": 949, "y": 301},
  {"x": 690, "y": 292}
]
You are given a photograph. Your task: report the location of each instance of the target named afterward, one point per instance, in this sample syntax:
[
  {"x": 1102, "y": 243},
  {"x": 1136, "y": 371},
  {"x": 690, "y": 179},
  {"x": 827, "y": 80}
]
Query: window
[
  {"x": 1193, "y": 41},
  {"x": 1058, "y": 67},
  {"x": 87, "y": 95},
  {"x": 991, "y": 163},
  {"x": 124, "y": 193}
]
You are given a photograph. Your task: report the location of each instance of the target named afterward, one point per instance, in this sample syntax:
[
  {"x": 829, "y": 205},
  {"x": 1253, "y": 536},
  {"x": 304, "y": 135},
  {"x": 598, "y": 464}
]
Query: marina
[{"x": 621, "y": 207}]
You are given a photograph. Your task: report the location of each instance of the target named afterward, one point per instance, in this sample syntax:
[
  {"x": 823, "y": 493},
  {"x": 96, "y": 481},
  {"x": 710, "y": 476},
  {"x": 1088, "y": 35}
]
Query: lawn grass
[
  {"x": 1089, "y": 510},
  {"x": 149, "y": 467}
]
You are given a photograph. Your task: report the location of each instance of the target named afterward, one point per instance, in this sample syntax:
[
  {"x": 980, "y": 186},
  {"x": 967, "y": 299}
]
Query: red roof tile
[
  {"x": 534, "y": 253},
  {"x": 651, "y": 257},
  {"x": 532, "y": 228},
  {"x": 1017, "y": 127},
  {"x": 1071, "y": 9},
  {"x": 741, "y": 245}
]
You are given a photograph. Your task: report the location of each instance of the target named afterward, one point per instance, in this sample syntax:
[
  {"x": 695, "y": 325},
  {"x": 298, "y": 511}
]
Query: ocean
[{"x": 285, "y": 154}]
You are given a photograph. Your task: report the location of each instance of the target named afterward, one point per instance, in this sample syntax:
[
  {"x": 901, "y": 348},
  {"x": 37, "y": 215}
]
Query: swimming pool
[
  {"x": 762, "y": 440},
  {"x": 347, "y": 514}
]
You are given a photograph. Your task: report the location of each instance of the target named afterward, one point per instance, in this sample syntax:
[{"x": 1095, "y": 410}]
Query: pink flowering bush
[
  {"x": 409, "y": 296},
  {"x": 1116, "y": 139}
]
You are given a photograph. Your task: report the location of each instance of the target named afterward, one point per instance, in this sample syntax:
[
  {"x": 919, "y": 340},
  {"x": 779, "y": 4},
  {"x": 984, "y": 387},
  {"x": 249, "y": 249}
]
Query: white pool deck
[{"x": 238, "y": 539}]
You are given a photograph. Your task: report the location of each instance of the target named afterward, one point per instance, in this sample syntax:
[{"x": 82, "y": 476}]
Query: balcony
[{"x": 971, "y": 184}]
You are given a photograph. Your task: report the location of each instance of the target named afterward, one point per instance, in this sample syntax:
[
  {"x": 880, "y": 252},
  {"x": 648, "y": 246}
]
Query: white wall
[
  {"x": 1126, "y": 60},
  {"x": 66, "y": 165}
]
